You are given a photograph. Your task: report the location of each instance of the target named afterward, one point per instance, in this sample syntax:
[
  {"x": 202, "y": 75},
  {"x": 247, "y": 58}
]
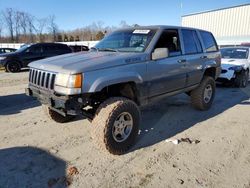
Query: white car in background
[{"x": 235, "y": 65}]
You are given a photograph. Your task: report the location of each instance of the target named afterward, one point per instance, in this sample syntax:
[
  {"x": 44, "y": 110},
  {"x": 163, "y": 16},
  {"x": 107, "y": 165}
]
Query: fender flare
[{"x": 115, "y": 78}]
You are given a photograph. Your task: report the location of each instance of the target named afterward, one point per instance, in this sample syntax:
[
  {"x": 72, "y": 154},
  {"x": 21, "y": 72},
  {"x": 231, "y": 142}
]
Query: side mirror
[{"x": 160, "y": 53}]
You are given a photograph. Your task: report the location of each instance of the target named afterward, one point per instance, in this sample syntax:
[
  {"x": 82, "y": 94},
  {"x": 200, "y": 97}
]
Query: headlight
[
  {"x": 236, "y": 68},
  {"x": 2, "y": 58},
  {"x": 68, "y": 84}
]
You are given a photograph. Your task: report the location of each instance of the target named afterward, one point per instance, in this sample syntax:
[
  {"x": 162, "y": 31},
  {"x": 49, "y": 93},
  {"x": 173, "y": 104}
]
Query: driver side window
[{"x": 170, "y": 39}]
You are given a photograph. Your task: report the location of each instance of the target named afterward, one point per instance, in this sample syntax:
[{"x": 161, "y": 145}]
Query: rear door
[
  {"x": 194, "y": 56},
  {"x": 49, "y": 50},
  {"x": 168, "y": 74}
]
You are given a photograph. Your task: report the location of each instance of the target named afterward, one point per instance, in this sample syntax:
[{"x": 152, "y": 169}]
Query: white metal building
[{"x": 230, "y": 26}]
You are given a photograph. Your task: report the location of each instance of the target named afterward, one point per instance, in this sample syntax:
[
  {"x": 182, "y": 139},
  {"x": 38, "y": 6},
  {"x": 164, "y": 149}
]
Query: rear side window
[
  {"x": 64, "y": 48},
  {"x": 209, "y": 41},
  {"x": 55, "y": 49},
  {"x": 34, "y": 49},
  {"x": 50, "y": 49},
  {"x": 191, "y": 42}
]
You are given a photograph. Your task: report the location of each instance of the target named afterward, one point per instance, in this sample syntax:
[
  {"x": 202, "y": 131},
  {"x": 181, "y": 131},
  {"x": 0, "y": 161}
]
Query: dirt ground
[{"x": 37, "y": 152}]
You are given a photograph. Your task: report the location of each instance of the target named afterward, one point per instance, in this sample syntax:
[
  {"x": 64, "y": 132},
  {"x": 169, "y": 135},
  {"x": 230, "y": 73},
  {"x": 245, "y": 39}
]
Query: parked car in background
[
  {"x": 7, "y": 50},
  {"x": 128, "y": 68},
  {"x": 235, "y": 66},
  {"x": 79, "y": 48},
  {"x": 13, "y": 62}
]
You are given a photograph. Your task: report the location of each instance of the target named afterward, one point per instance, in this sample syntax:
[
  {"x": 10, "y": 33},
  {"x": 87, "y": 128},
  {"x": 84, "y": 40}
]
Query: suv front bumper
[{"x": 64, "y": 105}]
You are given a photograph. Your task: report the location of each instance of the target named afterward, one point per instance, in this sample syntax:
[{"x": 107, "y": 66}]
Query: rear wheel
[
  {"x": 242, "y": 78},
  {"x": 13, "y": 66},
  {"x": 116, "y": 125},
  {"x": 53, "y": 115},
  {"x": 202, "y": 97}
]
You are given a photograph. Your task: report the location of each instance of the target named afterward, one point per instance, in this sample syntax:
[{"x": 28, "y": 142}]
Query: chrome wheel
[
  {"x": 208, "y": 93},
  {"x": 122, "y": 127}
]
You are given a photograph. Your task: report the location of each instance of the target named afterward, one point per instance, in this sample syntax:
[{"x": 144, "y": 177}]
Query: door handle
[
  {"x": 203, "y": 57},
  {"x": 182, "y": 61}
]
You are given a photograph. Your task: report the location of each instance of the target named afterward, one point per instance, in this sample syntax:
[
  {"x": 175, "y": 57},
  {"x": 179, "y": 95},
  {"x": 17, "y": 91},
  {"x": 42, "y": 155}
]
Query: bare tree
[
  {"x": 41, "y": 24},
  {"x": 123, "y": 24},
  {"x": 31, "y": 27},
  {"x": 17, "y": 24},
  {"x": 52, "y": 26},
  {"x": 9, "y": 15},
  {"x": 24, "y": 19}
]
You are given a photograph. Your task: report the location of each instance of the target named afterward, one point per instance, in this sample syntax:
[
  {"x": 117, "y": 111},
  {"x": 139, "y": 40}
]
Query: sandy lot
[{"x": 36, "y": 152}]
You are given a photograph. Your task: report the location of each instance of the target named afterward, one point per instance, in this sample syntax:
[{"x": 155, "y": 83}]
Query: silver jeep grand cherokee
[{"x": 128, "y": 68}]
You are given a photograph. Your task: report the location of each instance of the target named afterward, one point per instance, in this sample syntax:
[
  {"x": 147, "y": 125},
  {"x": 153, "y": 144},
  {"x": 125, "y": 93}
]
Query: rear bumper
[{"x": 65, "y": 105}]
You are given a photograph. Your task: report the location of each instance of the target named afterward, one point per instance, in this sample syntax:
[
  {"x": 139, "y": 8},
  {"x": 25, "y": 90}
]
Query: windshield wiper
[{"x": 108, "y": 49}]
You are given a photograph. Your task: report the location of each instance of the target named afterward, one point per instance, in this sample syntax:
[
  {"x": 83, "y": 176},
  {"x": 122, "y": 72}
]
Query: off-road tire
[
  {"x": 53, "y": 115},
  {"x": 241, "y": 79},
  {"x": 103, "y": 124},
  {"x": 13, "y": 66},
  {"x": 197, "y": 95}
]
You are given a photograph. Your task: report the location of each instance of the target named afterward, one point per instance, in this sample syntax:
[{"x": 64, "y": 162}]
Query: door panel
[
  {"x": 194, "y": 65},
  {"x": 195, "y": 57},
  {"x": 166, "y": 75},
  {"x": 31, "y": 54}
]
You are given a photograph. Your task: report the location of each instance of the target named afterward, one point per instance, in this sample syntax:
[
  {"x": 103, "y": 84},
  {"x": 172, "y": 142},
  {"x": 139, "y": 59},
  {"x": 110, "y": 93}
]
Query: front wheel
[
  {"x": 13, "y": 66},
  {"x": 202, "y": 97},
  {"x": 116, "y": 125}
]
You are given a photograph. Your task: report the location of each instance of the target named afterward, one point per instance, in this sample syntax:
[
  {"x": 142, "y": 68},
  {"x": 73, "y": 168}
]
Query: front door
[
  {"x": 32, "y": 54},
  {"x": 167, "y": 74}
]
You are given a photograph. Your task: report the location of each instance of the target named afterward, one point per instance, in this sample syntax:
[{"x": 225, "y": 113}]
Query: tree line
[{"x": 21, "y": 27}]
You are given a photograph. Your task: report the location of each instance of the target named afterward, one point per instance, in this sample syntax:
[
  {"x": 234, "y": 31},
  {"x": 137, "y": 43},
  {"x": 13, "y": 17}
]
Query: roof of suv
[
  {"x": 158, "y": 27},
  {"x": 49, "y": 43}
]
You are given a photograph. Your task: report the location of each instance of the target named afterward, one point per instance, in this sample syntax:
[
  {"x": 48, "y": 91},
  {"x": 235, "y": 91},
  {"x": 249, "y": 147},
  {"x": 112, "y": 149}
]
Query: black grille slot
[
  {"x": 47, "y": 80},
  {"x": 30, "y": 73},
  {"x": 39, "y": 77},
  {"x": 52, "y": 81},
  {"x": 32, "y": 76},
  {"x": 42, "y": 79},
  {"x": 223, "y": 71},
  {"x": 35, "y": 75}
]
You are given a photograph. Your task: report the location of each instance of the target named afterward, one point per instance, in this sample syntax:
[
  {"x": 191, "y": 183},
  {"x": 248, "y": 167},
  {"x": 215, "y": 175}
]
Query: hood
[
  {"x": 86, "y": 61},
  {"x": 8, "y": 54},
  {"x": 227, "y": 63},
  {"x": 234, "y": 61}
]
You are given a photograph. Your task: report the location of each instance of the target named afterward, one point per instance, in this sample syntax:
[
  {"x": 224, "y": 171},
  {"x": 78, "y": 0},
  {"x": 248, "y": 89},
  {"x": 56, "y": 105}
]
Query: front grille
[{"x": 42, "y": 79}]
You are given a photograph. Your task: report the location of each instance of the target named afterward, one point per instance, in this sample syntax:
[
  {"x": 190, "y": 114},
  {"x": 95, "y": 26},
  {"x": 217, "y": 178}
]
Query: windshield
[
  {"x": 126, "y": 41},
  {"x": 234, "y": 53},
  {"x": 23, "y": 48}
]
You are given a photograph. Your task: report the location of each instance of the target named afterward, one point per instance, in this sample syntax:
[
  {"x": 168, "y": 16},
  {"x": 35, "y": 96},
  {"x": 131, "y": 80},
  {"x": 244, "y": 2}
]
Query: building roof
[{"x": 246, "y": 4}]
